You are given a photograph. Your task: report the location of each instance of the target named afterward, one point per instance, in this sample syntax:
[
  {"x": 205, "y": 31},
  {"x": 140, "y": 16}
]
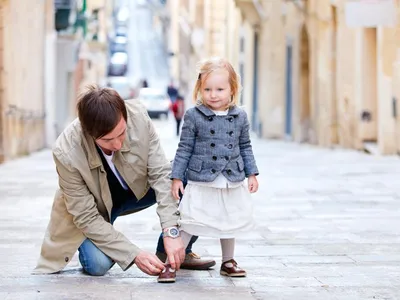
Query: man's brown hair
[{"x": 100, "y": 110}]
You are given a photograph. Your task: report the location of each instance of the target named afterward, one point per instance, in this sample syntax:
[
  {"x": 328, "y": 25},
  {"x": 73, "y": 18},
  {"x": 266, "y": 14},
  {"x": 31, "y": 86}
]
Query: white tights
[{"x": 227, "y": 246}]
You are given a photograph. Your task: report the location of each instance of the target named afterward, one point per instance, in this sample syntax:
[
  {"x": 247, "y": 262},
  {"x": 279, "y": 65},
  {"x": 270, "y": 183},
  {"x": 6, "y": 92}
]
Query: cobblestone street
[{"x": 328, "y": 228}]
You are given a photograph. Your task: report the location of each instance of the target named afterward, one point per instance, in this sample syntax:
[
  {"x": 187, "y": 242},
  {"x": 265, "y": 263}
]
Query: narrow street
[
  {"x": 327, "y": 229},
  {"x": 327, "y": 220},
  {"x": 147, "y": 58}
]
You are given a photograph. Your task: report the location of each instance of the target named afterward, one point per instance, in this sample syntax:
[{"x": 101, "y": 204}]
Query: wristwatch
[{"x": 172, "y": 232}]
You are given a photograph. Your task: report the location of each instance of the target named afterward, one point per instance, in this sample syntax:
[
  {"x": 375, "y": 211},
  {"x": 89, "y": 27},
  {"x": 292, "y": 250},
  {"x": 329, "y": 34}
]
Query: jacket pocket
[
  {"x": 195, "y": 164},
  {"x": 240, "y": 164}
]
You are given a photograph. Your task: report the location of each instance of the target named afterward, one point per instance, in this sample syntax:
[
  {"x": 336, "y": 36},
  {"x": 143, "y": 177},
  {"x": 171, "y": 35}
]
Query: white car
[
  {"x": 157, "y": 102},
  {"x": 118, "y": 64}
]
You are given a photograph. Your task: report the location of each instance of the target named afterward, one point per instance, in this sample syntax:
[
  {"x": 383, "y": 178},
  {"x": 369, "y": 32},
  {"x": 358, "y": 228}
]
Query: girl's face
[{"x": 216, "y": 90}]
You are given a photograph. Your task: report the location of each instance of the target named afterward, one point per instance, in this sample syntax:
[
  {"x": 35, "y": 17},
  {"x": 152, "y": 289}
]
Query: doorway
[
  {"x": 369, "y": 112},
  {"x": 289, "y": 100},
  {"x": 305, "y": 114},
  {"x": 254, "y": 121}
]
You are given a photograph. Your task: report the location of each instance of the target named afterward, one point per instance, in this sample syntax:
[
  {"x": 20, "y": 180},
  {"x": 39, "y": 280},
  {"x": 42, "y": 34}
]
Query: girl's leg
[
  {"x": 228, "y": 249},
  {"x": 229, "y": 266}
]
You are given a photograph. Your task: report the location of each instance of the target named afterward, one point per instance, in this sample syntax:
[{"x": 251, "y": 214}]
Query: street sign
[{"x": 370, "y": 13}]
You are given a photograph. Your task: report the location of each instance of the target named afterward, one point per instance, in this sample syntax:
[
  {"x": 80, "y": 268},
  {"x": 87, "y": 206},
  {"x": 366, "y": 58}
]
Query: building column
[
  {"x": 386, "y": 122},
  {"x": 50, "y": 74},
  {"x": 2, "y": 94}
]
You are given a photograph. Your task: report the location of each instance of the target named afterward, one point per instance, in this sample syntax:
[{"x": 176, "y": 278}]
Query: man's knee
[
  {"x": 98, "y": 266},
  {"x": 97, "y": 270},
  {"x": 93, "y": 261}
]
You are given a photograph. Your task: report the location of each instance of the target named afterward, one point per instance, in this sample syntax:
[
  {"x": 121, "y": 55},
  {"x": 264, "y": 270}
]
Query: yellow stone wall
[
  {"x": 22, "y": 27},
  {"x": 343, "y": 79}
]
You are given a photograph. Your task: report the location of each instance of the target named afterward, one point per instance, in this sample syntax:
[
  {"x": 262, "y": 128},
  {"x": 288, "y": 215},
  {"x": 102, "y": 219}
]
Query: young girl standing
[{"x": 216, "y": 154}]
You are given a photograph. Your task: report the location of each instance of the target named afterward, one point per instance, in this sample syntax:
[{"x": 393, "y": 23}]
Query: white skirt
[{"x": 216, "y": 212}]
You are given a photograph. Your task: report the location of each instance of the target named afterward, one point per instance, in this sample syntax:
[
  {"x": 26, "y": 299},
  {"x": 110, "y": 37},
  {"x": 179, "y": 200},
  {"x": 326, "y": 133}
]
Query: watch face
[{"x": 174, "y": 231}]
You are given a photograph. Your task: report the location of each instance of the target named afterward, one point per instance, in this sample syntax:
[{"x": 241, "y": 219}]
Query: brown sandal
[{"x": 232, "y": 271}]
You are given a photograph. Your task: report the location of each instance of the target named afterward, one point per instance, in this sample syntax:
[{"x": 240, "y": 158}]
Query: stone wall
[
  {"x": 341, "y": 84},
  {"x": 22, "y": 35}
]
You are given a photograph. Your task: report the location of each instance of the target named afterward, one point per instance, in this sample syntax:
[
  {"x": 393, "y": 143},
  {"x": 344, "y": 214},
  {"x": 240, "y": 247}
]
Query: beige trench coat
[{"x": 82, "y": 205}]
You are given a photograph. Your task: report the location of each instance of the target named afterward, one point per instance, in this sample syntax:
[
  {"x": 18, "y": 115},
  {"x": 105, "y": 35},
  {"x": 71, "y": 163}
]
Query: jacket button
[
  {"x": 210, "y": 119},
  {"x": 66, "y": 259},
  {"x": 229, "y": 171},
  {"x": 230, "y": 133},
  {"x": 226, "y": 157},
  {"x": 212, "y": 145},
  {"x": 230, "y": 119},
  {"x": 212, "y": 131},
  {"x": 214, "y": 157},
  {"x": 213, "y": 171},
  {"x": 230, "y": 146}
]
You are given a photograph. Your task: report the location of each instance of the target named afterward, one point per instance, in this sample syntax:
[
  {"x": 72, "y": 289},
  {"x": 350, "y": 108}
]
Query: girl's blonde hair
[{"x": 206, "y": 67}]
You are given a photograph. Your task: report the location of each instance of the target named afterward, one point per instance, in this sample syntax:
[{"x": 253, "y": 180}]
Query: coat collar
[
  {"x": 233, "y": 111},
  {"x": 94, "y": 159}
]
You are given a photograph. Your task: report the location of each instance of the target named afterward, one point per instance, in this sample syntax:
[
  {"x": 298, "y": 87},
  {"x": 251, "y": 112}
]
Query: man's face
[{"x": 113, "y": 141}]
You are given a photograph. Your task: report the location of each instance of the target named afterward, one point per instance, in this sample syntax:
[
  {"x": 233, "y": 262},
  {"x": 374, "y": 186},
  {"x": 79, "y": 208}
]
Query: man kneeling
[{"x": 110, "y": 163}]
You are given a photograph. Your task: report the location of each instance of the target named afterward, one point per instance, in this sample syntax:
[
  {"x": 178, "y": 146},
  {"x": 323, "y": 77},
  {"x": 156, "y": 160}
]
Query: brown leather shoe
[
  {"x": 230, "y": 269},
  {"x": 168, "y": 275},
  {"x": 192, "y": 261},
  {"x": 195, "y": 262}
]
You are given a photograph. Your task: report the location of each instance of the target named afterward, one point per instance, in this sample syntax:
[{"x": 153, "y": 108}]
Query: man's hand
[
  {"x": 149, "y": 263},
  {"x": 175, "y": 251},
  {"x": 252, "y": 184},
  {"x": 177, "y": 186}
]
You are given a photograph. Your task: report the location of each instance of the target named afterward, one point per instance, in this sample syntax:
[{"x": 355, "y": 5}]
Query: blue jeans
[{"x": 94, "y": 261}]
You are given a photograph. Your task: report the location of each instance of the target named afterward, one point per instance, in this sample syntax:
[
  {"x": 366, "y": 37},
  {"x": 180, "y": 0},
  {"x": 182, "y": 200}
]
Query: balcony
[{"x": 65, "y": 13}]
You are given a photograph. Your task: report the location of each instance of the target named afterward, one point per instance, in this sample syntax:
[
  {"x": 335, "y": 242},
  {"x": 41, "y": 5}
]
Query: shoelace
[{"x": 171, "y": 270}]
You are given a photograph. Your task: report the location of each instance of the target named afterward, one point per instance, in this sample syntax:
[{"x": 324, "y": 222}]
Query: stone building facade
[
  {"x": 318, "y": 79},
  {"x": 308, "y": 76},
  {"x": 23, "y": 28},
  {"x": 42, "y": 70}
]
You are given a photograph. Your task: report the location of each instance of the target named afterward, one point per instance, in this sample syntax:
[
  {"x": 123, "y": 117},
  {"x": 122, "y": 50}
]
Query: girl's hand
[
  {"x": 252, "y": 183},
  {"x": 177, "y": 186}
]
